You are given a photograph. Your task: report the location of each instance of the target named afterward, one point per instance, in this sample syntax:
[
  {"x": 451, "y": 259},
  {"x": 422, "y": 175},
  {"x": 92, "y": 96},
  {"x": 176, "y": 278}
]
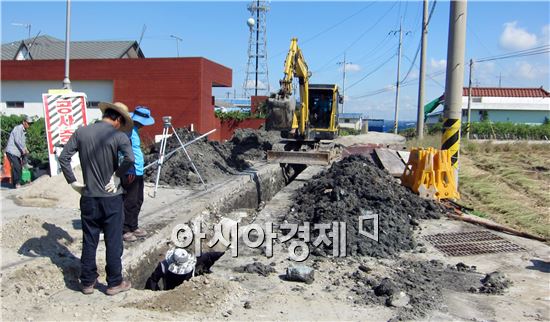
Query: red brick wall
[{"x": 180, "y": 87}]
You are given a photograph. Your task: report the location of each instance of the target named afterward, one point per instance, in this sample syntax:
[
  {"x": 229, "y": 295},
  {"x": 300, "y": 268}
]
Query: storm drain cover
[{"x": 471, "y": 243}]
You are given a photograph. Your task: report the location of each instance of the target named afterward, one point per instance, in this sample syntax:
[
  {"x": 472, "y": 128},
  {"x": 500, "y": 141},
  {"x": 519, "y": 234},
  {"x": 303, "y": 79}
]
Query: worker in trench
[
  {"x": 133, "y": 181},
  {"x": 180, "y": 266}
]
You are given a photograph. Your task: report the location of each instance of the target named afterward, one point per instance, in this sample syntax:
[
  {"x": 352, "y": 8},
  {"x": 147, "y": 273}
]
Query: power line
[
  {"x": 522, "y": 53},
  {"x": 358, "y": 38},
  {"x": 337, "y": 24},
  {"x": 328, "y": 28},
  {"x": 372, "y": 71},
  {"x": 419, "y": 45},
  {"x": 392, "y": 87}
]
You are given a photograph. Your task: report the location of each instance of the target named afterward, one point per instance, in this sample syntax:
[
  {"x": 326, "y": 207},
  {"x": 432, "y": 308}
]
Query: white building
[
  {"x": 25, "y": 96},
  {"x": 351, "y": 120},
  {"x": 516, "y": 105}
]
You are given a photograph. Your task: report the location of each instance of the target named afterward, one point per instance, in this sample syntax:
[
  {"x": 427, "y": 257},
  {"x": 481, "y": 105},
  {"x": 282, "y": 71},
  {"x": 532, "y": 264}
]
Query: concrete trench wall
[{"x": 245, "y": 190}]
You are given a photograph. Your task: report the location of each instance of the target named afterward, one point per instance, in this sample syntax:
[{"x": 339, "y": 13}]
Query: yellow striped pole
[{"x": 451, "y": 139}]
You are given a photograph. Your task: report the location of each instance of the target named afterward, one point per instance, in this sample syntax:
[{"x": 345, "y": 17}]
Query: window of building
[
  {"x": 476, "y": 99},
  {"x": 464, "y": 112},
  {"x": 15, "y": 104},
  {"x": 346, "y": 120},
  {"x": 92, "y": 104}
]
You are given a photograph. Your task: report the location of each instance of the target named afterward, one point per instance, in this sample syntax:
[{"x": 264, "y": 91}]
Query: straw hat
[
  {"x": 122, "y": 110},
  {"x": 180, "y": 261}
]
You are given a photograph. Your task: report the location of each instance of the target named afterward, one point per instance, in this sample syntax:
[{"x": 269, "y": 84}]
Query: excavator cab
[{"x": 323, "y": 109}]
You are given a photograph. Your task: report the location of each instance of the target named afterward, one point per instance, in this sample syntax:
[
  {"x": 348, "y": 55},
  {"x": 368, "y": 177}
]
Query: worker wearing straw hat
[{"x": 101, "y": 204}]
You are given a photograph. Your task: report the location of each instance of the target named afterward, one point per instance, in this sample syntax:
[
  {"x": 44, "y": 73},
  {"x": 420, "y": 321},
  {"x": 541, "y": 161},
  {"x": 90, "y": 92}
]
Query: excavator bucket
[
  {"x": 279, "y": 113},
  {"x": 300, "y": 157}
]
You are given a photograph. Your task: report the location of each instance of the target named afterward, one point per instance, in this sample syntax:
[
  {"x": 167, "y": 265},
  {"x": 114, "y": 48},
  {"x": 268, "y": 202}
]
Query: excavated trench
[{"x": 243, "y": 201}]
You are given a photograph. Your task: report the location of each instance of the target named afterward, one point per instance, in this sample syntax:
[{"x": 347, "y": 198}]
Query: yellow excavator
[{"x": 308, "y": 127}]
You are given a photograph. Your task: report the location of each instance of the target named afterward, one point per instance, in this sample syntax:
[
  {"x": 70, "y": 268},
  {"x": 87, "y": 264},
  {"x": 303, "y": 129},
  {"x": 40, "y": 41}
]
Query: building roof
[
  {"x": 352, "y": 115},
  {"x": 47, "y": 47},
  {"x": 506, "y": 92}
]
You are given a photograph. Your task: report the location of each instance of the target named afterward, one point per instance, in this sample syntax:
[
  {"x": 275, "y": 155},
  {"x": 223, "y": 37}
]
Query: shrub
[
  {"x": 500, "y": 130},
  {"x": 344, "y": 131}
]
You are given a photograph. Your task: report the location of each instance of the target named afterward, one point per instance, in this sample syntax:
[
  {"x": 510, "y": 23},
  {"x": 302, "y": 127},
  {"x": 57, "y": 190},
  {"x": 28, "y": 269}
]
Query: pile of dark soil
[
  {"x": 494, "y": 283},
  {"x": 350, "y": 188},
  {"x": 422, "y": 282},
  {"x": 213, "y": 160},
  {"x": 256, "y": 268}
]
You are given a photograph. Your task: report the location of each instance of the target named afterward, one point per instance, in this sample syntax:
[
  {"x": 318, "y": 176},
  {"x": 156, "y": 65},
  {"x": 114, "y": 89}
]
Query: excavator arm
[{"x": 283, "y": 103}]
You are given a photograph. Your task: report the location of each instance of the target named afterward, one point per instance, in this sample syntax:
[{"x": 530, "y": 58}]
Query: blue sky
[{"x": 218, "y": 31}]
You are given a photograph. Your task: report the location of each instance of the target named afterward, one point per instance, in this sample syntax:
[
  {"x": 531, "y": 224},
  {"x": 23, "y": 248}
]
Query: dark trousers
[
  {"x": 133, "y": 199},
  {"x": 97, "y": 214},
  {"x": 16, "y": 168}
]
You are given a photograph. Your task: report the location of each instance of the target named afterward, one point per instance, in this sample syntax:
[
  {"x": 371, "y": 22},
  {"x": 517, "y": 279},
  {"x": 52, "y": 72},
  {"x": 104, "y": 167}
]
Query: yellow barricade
[{"x": 429, "y": 173}]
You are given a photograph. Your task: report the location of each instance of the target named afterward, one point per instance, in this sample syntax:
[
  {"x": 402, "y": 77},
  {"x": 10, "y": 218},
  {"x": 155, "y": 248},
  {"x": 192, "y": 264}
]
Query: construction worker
[
  {"x": 16, "y": 149},
  {"x": 180, "y": 266},
  {"x": 101, "y": 204},
  {"x": 133, "y": 181}
]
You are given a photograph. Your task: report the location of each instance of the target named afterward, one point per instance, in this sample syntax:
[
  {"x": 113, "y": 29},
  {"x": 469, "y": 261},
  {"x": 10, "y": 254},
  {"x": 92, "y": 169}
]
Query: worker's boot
[
  {"x": 88, "y": 289},
  {"x": 140, "y": 232},
  {"x": 129, "y": 237},
  {"x": 122, "y": 287}
]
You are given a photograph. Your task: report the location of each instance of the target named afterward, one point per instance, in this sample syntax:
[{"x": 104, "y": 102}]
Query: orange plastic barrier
[{"x": 429, "y": 174}]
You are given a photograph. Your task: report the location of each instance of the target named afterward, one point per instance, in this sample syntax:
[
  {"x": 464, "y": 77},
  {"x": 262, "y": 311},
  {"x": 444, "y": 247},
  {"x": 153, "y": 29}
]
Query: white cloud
[
  {"x": 250, "y": 84},
  {"x": 351, "y": 68},
  {"x": 516, "y": 38},
  {"x": 530, "y": 71},
  {"x": 438, "y": 65},
  {"x": 545, "y": 35}
]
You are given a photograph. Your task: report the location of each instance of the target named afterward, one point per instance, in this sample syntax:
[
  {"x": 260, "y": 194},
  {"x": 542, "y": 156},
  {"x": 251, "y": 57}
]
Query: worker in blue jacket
[{"x": 133, "y": 182}]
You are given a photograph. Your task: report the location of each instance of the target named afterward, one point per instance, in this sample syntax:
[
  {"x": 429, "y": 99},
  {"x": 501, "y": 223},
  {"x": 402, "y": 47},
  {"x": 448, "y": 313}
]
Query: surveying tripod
[{"x": 166, "y": 129}]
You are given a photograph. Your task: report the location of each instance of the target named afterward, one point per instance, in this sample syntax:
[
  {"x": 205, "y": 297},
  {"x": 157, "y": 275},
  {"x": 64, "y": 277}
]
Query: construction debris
[
  {"x": 256, "y": 268},
  {"x": 300, "y": 273},
  {"x": 349, "y": 189},
  {"x": 213, "y": 160}
]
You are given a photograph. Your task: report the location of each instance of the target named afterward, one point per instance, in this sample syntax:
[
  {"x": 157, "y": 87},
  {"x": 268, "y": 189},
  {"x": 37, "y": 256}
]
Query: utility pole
[
  {"x": 469, "y": 99},
  {"x": 344, "y": 64},
  {"x": 396, "y": 117},
  {"x": 257, "y": 45},
  {"x": 500, "y": 79},
  {"x": 452, "y": 113},
  {"x": 420, "y": 115},
  {"x": 66, "y": 80},
  {"x": 178, "y": 39}
]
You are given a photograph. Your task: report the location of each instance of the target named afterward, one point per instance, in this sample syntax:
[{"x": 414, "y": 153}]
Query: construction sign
[{"x": 64, "y": 112}]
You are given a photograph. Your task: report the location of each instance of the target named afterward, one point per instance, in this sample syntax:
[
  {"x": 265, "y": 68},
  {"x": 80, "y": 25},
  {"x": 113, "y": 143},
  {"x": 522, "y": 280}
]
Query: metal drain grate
[{"x": 471, "y": 243}]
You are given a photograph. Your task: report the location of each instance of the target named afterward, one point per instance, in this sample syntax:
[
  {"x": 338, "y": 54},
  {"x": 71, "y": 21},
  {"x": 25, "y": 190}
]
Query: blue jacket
[{"x": 138, "y": 155}]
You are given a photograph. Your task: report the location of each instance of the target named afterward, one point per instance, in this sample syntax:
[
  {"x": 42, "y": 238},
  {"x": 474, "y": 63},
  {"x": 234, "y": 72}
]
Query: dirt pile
[
  {"x": 422, "y": 283},
  {"x": 256, "y": 268},
  {"x": 213, "y": 159},
  {"x": 350, "y": 189},
  {"x": 200, "y": 294},
  {"x": 494, "y": 283}
]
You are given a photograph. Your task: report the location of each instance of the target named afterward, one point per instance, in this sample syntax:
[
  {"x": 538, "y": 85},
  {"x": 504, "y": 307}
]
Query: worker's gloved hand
[
  {"x": 78, "y": 187},
  {"x": 113, "y": 184}
]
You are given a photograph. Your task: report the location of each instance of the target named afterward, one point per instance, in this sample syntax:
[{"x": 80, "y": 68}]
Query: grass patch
[{"x": 508, "y": 183}]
